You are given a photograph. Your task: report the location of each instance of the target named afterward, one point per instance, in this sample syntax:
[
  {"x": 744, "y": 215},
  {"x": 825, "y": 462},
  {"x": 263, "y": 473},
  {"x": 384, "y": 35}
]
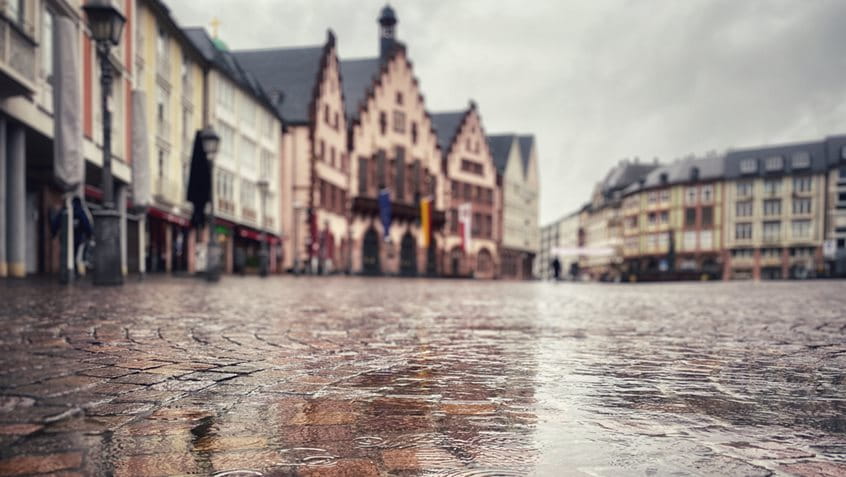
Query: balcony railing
[
  {"x": 225, "y": 206},
  {"x": 248, "y": 213},
  {"x": 17, "y": 55}
]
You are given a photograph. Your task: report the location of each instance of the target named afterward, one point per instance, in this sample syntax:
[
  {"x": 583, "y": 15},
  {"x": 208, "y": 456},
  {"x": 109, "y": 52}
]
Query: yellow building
[
  {"x": 775, "y": 211},
  {"x": 672, "y": 219},
  {"x": 169, "y": 88}
]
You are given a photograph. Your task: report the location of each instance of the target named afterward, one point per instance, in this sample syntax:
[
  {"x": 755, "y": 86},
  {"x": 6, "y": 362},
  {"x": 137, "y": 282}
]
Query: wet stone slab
[{"x": 358, "y": 377}]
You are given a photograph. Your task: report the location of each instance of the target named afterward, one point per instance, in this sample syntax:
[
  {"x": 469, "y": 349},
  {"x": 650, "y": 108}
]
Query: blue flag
[{"x": 385, "y": 210}]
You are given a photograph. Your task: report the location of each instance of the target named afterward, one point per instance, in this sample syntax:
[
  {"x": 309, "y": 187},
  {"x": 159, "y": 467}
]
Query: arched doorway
[
  {"x": 484, "y": 263},
  {"x": 408, "y": 255},
  {"x": 456, "y": 256},
  {"x": 432, "y": 259},
  {"x": 370, "y": 253}
]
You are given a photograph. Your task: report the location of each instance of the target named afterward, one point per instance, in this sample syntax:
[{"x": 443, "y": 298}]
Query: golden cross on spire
[{"x": 215, "y": 24}]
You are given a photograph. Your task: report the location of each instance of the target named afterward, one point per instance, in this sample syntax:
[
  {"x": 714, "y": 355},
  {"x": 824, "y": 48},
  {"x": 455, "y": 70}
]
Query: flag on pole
[
  {"x": 426, "y": 221},
  {"x": 385, "y": 211},
  {"x": 465, "y": 218}
]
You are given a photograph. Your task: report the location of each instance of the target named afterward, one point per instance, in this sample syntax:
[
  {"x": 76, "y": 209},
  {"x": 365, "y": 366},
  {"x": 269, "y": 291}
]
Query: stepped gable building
[
  {"x": 672, "y": 219},
  {"x": 393, "y": 147},
  {"x": 247, "y": 121},
  {"x": 515, "y": 158},
  {"x": 471, "y": 179},
  {"x": 305, "y": 84},
  {"x": 775, "y": 206}
]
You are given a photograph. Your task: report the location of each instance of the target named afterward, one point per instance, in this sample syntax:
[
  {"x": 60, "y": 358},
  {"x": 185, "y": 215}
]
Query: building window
[
  {"x": 227, "y": 140},
  {"x": 665, "y": 217},
  {"x": 689, "y": 240},
  {"x": 772, "y": 231},
  {"x": 772, "y": 186},
  {"x": 383, "y": 122},
  {"x": 653, "y": 197},
  {"x": 651, "y": 218},
  {"x": 414, "y": 133},
  {"x": 690, "y": 217},
  {"x": 706, "y": 239},
  {"x": 743, "y": 209},
  {"x": 665, "y": 195},
  {"x": 744, "y": 188},
  {"x": 248, "y": 194},
  {"x": 226, "y": 95},
  {"x": 248, "y": 154},
  {"x": 332, "y": 156},
  {"x": 800, "y": 160},
  {"x": 772, "y": 207},
  {"x": 399, "y": 122},
  {"x": 802, "y": 206},
  {"x": 802, "y": 184},
  {"x": 471, "y": 167},
  {"x": 707, "y": 194},
  {"x": 400, "y": 173},
  {"x": 749, "y": 166},
  {"x": 362, "y": 175},
  {"x": 801, "y": 229},
  {"x": 707, "y": 216},
  {"x": 163, "y": 163},
  {"x": 399, "y": 98},
  {"x": 774, "y": 163},
  {"x": 47, "y": 47},
  {"x": 743, "y": 231},
  {"x": 690, "y": 196}
]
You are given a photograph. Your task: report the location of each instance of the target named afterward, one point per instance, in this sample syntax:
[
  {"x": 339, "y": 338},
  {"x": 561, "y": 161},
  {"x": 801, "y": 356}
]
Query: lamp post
[
  {"x": 211, "y": 142},
  {"x": 264, "y": 253},
  {"x": 106, "y": 25}
]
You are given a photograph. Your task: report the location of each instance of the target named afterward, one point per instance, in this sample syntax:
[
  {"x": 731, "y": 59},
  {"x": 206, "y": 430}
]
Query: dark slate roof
[
  {"x": 624, "y": 174},
  {"x": 500, "y": 146},
  {"x": 835, "y": 150},
  {"x": 291, "y": 72},
  {"x": 446, "y": 127},
  {"x": 357, "y": 77},
  {"x": 681, "y": 171},
  {"x": 526, "y": 143},
  {"x": 817, "y": 150},
  {"x": 225, "y": 61}
]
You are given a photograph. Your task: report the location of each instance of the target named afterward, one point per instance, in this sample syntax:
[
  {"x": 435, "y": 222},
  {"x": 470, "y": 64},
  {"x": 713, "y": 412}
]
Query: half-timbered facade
[
  {"x": 472, "y": 184},
  {"x": 393, "y": 149}
]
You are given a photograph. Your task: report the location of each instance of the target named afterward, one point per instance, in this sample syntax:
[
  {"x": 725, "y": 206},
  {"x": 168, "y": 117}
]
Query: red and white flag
[{"x": 465, "y": 224}]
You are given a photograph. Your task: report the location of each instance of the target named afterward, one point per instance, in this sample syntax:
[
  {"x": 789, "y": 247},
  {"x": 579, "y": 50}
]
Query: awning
[
  {"x": 584, "y": 251},
  {"x": 252, "y": 234},
  {"x": 168, "y": 217}
]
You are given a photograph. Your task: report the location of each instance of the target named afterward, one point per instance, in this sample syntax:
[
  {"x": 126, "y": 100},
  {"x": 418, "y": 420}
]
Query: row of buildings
[
  {"x": 310, "y": 143},
  {"x": 762, "y": 213}
]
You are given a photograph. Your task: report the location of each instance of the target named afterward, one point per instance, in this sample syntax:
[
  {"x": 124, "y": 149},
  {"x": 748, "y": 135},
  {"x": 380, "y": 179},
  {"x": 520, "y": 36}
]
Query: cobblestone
[{"x": 346, "y": 376}]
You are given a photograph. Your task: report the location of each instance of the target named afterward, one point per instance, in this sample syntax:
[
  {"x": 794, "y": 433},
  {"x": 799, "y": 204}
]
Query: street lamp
[
  {"x": 211, "y": 143},
  {"x": 106, "y": 25},
  {"x": 264, "y": 253}
]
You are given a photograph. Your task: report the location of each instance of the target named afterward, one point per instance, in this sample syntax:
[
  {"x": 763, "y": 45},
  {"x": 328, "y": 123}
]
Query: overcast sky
[{"x": 595, "y": 81}]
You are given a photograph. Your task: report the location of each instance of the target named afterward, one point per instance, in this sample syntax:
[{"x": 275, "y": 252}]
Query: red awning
[
  {"x": 253, "y": 234},
  {"x": 174, "y": 219}
]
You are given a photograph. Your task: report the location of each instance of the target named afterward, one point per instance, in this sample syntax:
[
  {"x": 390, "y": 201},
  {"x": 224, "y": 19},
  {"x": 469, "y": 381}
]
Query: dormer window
[
  {"x": 843, "y": 154},
  {"x": 694, "y": 173},
  {"x": 663, "y": 178},
  {"x": 749, "y": 166},
  {"x": 801, "y": 160},
  {"x": 774, "y": 163}
]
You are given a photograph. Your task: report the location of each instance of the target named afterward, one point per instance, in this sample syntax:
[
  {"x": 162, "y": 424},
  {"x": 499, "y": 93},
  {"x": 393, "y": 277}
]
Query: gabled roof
[
  {"x": 290, "y": 75},
  {"x": 816, "y": 149},
  {"x": 447, "y": 126},
  {"x": 357, "y": 77},
  {"x": 500, "y": 146},
  {"x": 225, "y": 61},
  {"x": 681, "y": 171},
  {"x": 526, "y": 143},
  {"x": 625, "y": 174}
]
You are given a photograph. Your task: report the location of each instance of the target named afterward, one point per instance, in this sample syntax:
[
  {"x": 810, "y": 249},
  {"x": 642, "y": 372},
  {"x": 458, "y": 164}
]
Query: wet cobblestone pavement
[{"x": 356, "y": 377}]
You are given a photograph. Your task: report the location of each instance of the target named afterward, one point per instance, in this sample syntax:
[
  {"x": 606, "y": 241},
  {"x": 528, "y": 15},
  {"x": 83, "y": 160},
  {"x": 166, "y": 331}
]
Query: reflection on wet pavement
[{"x": 341, "y": 376}]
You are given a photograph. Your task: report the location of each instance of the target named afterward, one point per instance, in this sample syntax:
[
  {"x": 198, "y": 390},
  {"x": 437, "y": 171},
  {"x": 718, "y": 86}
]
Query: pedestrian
[
  {"x": 556, "y": 269},
  {"x": 83, "y": 231}
]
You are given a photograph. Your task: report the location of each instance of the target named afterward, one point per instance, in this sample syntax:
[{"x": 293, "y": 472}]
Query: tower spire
[{"x": 387, "y": 31}]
